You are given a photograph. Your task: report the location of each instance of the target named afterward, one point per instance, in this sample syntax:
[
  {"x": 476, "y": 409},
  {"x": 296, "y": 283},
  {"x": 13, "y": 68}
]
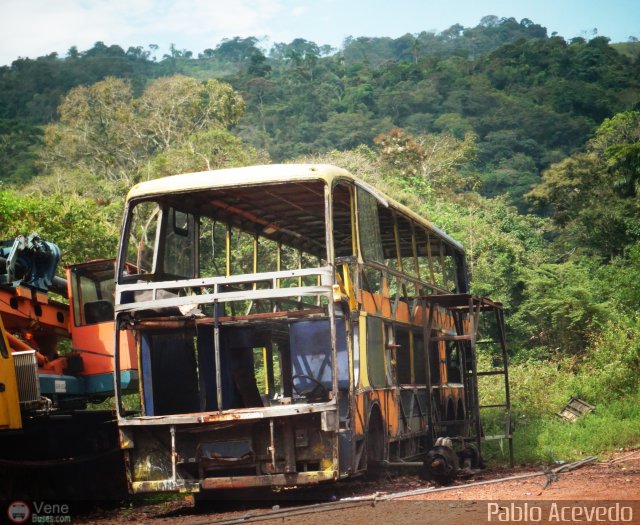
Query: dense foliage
[{"x": 524, "y": 147}]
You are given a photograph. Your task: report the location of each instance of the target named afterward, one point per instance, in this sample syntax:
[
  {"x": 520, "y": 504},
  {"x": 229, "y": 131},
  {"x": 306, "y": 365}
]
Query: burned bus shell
[{"x": 282, "y": 339}]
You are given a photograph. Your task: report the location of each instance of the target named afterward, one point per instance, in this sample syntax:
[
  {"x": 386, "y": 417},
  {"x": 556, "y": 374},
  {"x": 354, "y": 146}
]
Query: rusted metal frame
[
  {"x": 368, "y": 284},
  {"x": 430, "y": 260},
  {"x": 284, "y": 314},
  {"x": 269, "y": 379},
  {"x": 361, "y": 276},
  {"x": 276, "y": 281},
  {"x": 474, "y": 308},
  {"x": 328, "y": 215},
  {"x": 174, "y": 454},
  {"x": 417, "y": 399},
  {"x": 443, "y": 266},
  {"x": 245, "y": 215},
  {"x": 349, "y": 287},
  {"x": 216, "y": 352},
  {"x": 245, "y": 295},
  {"x": 412, "y": 350},
  {"x": 299, "y": 268},
  {"x": 270, "y": 480},
  {"x": 464, "y": 348},
  {"x": 403, "y": 414},
  {"x": 318, "y": 279},
  {"x": 116, "y": 376},
  {"x": 272, "y": 445},
  {"x": 352, "y": 214},
  {"x": 294, "y": 205},
  {"x": 505, "y": 366},
  {"x": 348, "y": 284},
  {"x": 227, "y": 257},
  {"x": 158, "y": 245},
  {"x": 324, "y": 271},
  {"x": 232, "y": 415},
  {"x": 427, "y": 329},
  {"x": 408, "y": 278},
  {"x": 396, "y": 237},
  {"x": 255, "y": 268},
  {"x": 159, "y": 242},
  {"x": 396, "y": 299},
  {"x": 414, "y": 249}
]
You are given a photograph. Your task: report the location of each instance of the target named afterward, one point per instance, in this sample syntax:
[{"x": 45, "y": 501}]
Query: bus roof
[{"x": 270, "y": 174}]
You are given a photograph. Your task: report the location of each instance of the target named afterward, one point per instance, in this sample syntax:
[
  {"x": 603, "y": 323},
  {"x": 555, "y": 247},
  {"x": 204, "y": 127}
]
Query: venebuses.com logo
[{"x": 20, "y": 511}]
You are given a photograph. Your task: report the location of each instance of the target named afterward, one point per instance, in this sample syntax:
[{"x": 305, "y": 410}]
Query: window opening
[{"x": 143, "y": 229}]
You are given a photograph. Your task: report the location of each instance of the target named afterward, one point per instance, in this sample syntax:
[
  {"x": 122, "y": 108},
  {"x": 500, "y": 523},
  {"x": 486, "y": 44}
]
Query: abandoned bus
[{"x": 293, "y": 326}]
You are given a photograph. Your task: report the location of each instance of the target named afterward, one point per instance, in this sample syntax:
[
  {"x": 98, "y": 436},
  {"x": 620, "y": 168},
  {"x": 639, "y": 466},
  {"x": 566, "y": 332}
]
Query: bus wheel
[
  {"x": 470, "y": 458},
  {"x": 375, "y": 444},
  {"x": 440, "y": 465}
]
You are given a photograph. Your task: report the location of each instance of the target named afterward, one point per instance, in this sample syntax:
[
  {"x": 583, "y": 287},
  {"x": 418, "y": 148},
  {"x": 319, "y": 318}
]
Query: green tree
[
  {"x": 97, "y": 132},
  {"x": 108, "y": 134},
  {"x": 592, "y": 194},
  {"x": 83, "y": 229},
  {"x": 427, "y": 161},
  {"x": 206, "y": 150},
  {"x": 173, "y": 108},
  {"x": 562, "y": 307}
]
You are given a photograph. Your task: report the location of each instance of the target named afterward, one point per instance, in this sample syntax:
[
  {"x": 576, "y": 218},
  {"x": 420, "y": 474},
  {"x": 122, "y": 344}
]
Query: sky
[{"x": 33, "y": 28}]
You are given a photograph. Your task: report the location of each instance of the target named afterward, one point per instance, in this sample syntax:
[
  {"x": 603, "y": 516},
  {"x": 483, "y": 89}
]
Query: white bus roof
[{"x": 269, "y": 174}]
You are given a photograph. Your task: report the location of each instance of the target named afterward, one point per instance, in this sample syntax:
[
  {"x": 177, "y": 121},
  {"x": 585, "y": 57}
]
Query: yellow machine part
[{"x": 9, "y": 401}]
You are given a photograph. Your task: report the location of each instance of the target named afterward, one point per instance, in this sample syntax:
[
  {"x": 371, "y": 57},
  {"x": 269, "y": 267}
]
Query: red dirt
[{"x": 603, "y": 484}]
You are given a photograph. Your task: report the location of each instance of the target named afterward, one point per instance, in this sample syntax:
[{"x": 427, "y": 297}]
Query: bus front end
[{"x": 225, "y": 284}]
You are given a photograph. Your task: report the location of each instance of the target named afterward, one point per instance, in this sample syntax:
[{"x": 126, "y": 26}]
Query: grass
[
  {"x": 548, "y": 439},
  {"x": 540, "y": 389}
]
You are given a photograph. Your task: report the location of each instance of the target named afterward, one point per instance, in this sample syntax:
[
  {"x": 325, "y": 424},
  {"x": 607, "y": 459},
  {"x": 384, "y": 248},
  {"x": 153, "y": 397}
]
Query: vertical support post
[
  {"x": 328, "y": 214},
  {"x": 216, "y": 352},
  {"x": 505, "y": 368},
  {"x": 278, "y": 268},
  {"x": 414, "y": 249},
  {"x": 228, "y": 251},
  {"x": 174, "y": 453},
  {"x": 265, "y": 371},
  {"x": 474, "y": 318},
  {"x": 430, "y": 259},
  {"x": 427, "y": 328},
  {"x": 272, "y": 446},
  {"x": 396, "y": 234}
]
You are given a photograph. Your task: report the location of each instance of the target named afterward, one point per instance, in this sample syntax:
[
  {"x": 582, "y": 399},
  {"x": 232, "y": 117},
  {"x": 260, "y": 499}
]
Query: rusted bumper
[
  {"x": 236, "y": 482},
  {"x": 273, "y": 480}
]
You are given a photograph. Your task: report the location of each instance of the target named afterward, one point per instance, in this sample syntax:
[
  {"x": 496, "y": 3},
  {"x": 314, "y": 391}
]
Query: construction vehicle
[{"x": 56, "y": 361}]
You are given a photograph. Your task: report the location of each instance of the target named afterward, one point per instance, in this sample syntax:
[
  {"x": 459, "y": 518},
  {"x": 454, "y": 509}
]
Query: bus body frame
[{"x": 312, "y": 285}]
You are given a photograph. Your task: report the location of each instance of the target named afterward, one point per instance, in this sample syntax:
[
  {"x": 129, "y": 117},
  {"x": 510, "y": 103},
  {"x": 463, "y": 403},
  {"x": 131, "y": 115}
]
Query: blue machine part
[
  {"x": 91, "y": 385},
  {"x": 61, "y": 385},
  {"x": 103, "y": 383},
  {"x": 29, "y": 260}
]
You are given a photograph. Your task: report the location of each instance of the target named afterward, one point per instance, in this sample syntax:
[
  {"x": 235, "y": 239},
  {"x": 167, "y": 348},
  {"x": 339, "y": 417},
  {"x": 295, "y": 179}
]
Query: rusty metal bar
[
  {"x": 216, "y": 352},
  {"x": 272, "y": 446}
]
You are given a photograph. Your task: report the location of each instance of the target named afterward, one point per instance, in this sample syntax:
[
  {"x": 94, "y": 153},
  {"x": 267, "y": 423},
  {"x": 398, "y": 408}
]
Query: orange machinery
[{"x": 61, "y": 333}]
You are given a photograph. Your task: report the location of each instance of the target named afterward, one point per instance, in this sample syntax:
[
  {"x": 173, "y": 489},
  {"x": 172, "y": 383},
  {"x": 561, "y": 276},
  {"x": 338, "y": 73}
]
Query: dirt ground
[{"x": 606, "y": 491}]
